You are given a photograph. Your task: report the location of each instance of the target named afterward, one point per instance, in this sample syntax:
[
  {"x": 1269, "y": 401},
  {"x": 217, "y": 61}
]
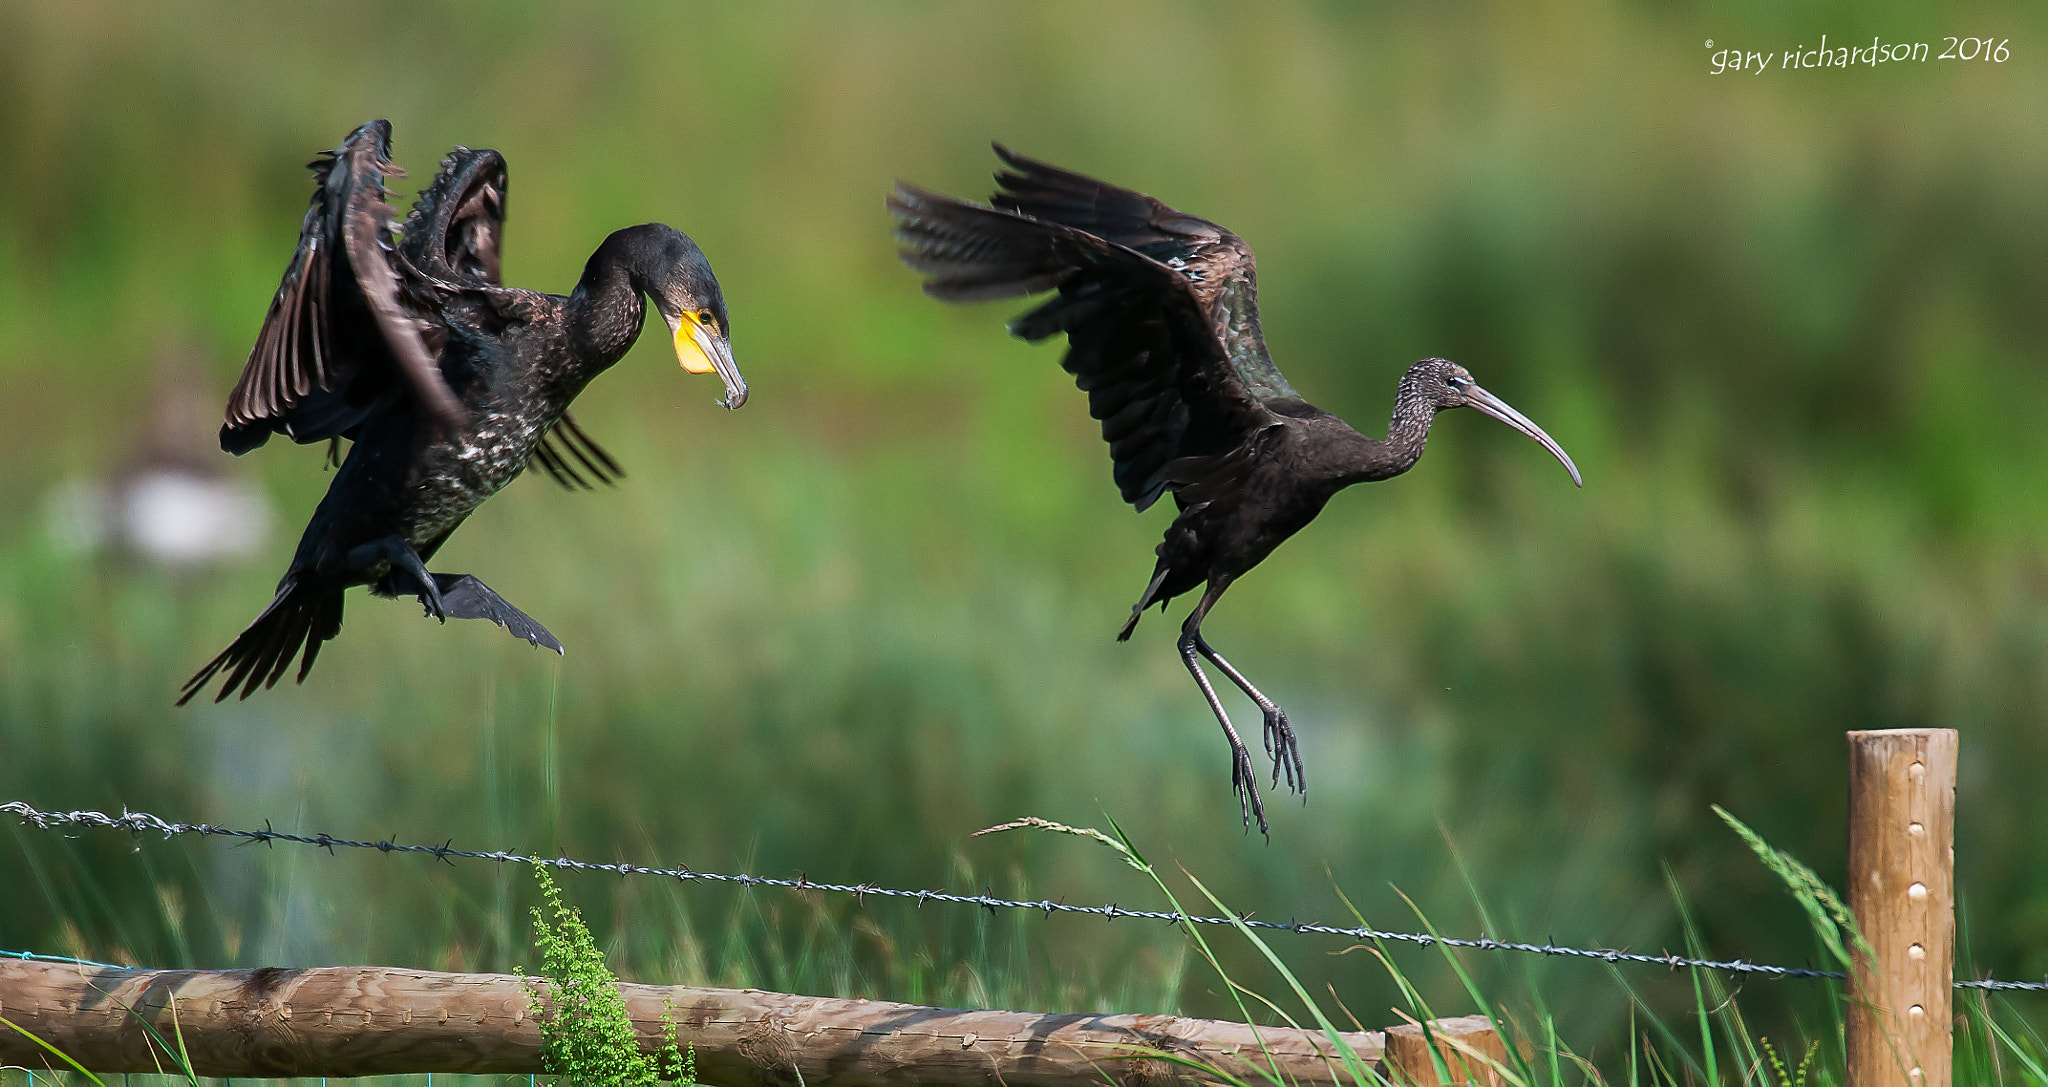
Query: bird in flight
[
  {"x": 1160, "y": 309},
  {"x": 445, "y": 381}
]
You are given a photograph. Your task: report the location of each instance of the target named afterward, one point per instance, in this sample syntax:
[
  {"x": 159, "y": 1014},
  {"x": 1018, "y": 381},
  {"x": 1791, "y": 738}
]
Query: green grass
[{"x": 1707, "y": 1038}]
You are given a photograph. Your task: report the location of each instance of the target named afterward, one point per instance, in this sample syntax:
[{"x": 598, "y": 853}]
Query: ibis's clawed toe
[{"x": 1278, "y": 735}]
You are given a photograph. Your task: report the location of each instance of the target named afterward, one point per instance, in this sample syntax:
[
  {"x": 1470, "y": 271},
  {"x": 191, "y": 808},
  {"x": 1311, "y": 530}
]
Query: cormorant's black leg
[
  {"x": 1286, "y": 754},
  {"x": 1243, "y": 778},
  {"x": 405, "y": 562}
]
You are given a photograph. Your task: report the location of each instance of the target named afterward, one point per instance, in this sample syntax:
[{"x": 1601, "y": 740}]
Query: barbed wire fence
[{"x": 145, "y": 823}]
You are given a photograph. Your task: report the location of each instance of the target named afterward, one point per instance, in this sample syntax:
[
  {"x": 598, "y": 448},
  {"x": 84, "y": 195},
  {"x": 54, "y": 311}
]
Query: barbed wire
[{"x": 144, "y": 822}]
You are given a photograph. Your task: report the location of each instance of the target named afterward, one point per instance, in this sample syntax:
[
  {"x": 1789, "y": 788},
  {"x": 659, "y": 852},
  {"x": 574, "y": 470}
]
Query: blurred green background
[{"x": 1790, "y": 325}]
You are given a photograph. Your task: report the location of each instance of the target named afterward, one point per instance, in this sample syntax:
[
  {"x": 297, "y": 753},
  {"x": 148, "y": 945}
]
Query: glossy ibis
[
  {"x": 446, "y": 382},
  {"x": 1161, "y": 314}
]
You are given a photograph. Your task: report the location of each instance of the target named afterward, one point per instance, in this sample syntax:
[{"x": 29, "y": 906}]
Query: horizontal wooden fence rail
[{"x": 359, "y": 1021}]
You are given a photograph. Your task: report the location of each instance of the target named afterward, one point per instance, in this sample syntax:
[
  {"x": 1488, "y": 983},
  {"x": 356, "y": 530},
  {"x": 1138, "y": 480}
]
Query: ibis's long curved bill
[
  {"x": 1498, "y": 408},
  {"x": 702, "y": 351}
]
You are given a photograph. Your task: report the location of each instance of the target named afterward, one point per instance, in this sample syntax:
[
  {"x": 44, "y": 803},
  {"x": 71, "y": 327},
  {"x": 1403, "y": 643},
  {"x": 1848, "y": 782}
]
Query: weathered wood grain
[
  {"x": 1902, "y": 812},
  {"x": 357, "y": 1021},
  {"x": 1470, "y": 1049}
]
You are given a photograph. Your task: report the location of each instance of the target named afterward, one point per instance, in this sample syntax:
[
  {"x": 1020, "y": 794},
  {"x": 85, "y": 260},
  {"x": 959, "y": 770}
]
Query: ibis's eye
[{"x": 1458, "y": 383}]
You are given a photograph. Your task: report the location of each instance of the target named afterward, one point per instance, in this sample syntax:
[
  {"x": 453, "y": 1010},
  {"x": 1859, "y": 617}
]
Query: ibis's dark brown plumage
[
  {"x": 446, "y": 382},
  {"x": 1161, "y": 314}
]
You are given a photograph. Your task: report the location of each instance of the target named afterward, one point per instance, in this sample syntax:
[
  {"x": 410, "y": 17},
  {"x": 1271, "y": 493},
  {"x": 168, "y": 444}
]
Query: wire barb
[{"x": 138, "y": 822}]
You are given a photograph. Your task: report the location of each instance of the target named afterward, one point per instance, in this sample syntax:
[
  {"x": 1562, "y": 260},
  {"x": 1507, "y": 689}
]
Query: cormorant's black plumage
[
  {"x": 1160, "y": 309},
  {"x": 446, "y": 381}
]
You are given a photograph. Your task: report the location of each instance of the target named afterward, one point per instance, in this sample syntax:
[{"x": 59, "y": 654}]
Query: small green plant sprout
[
  {"x": 1832, "y": 921},
  {"x": 1784, "y": 1077},
  {"x": 586, "y": 1036}
]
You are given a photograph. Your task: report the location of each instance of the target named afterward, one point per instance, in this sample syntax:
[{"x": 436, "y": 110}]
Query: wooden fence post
[
  {"x": 1465, "y": 1044},
  {"x": 1902, "y": 807}
]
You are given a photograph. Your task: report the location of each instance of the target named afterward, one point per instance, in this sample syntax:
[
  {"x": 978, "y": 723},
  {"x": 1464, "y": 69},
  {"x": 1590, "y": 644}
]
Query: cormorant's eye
[{"x": 707, "y": 319}]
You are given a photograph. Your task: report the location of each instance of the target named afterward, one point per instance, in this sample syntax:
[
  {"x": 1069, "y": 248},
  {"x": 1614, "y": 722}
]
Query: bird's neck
[
  {"x": 1373, "y": 459},
  {"x": 605, "y": 312}
]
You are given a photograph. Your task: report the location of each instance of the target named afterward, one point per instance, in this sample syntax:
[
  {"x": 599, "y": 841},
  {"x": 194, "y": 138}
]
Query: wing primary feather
[
  {"x": 319, "y": 315},
  {"x": 567, "y": 471},
  {"x": 605, "y": 468},
  {"x": 310, "y": 342},
  {"x": 551, "y": 462},
  {"x": 577, "y": 452},
  {"x": 1167, "y": 375},
  {"x": 375, "y": 276}
]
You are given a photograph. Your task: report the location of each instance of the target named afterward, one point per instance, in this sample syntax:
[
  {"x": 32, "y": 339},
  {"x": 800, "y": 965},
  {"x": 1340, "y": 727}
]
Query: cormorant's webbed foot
[
  {"x": 464, "y": 597},
  {"x": 1279, "y": 736}
]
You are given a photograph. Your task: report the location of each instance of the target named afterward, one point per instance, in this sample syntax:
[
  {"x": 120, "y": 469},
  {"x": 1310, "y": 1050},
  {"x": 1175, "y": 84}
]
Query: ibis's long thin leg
[
  {"x": 1286, "y": 754},
  {"x": 1243, "y": 778}
]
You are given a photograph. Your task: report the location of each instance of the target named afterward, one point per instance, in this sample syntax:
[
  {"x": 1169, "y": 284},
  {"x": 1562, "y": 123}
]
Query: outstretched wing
[
  {"x": 337, "y": 340},
  {"x": 456, "y": 228},
  {"x": 455, "y": 235},
  {"x": 1159, "y": 309},
  {"x": 1219, "y": 266}
]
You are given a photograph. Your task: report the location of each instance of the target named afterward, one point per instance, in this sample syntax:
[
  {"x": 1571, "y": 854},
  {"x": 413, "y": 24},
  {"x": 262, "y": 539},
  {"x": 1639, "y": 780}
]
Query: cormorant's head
[
  {"x": 1448, "y": 385},
  {"x": 676, "y": 275}
]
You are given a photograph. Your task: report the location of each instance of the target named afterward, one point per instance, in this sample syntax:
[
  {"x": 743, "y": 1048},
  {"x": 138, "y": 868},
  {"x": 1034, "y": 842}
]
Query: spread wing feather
[
  {"x": 456, "y": 228},
  {"x": 1219, "y": 263},
  {"x": 337, "y": 340},
  {"x": 566, "y": 442},
  {"x": 1136, "y": 281},
  {"x": 454, "y": 237}
]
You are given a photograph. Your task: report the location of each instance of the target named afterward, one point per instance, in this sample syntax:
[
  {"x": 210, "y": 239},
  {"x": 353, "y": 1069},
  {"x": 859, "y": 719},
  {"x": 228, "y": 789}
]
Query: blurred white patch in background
[
  {"x": 169, "y": 517},
  {"x": 175, "y": 500}
]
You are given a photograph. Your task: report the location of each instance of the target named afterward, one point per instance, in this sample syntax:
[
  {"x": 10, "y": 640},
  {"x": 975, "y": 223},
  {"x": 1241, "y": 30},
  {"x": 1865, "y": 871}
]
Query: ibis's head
[
  {"x": 679, "y": 280},
  {"x": 1449, "y": 385}
]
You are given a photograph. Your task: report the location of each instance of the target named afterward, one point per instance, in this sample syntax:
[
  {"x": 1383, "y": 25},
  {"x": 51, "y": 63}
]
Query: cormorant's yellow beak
[{"x": 702, "y": 350}]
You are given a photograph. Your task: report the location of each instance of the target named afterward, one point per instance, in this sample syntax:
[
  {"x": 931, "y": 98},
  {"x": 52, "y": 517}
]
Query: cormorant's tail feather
[
  {"x": 464, "y": 597},
  {"x": 300, "y": 615}
]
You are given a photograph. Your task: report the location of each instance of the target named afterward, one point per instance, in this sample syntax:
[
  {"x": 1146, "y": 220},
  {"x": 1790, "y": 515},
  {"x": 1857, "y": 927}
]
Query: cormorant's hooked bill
[{"x": 702, "y": 348}]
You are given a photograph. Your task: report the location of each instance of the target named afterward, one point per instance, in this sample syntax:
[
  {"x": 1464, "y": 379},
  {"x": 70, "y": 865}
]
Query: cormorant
[
  {"x": 1161, "y": 314},
  {"x": 446, "y": 382}
]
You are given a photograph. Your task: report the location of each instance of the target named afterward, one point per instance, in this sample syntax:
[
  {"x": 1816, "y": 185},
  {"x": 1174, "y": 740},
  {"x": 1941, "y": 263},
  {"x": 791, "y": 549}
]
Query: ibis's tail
[
  {"x": 302, "y": 614},
  {"x": 1151, "y": 596}
]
